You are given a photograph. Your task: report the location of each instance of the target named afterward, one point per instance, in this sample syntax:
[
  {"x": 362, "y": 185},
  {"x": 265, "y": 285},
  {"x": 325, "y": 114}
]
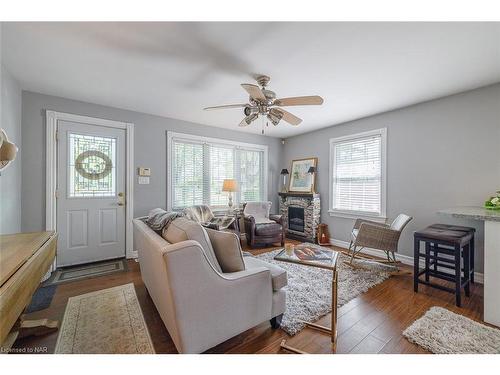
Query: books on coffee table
[
  {"x": 307, "y": 251},
  {"x": 309, "y": 254}
]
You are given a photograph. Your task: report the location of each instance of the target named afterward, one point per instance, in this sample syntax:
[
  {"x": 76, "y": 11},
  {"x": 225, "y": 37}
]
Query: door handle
[{"x": 121, "y": 199}]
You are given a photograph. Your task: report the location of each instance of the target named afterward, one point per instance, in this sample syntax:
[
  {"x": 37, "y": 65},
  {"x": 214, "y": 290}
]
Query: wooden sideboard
[{"x": 24, "y": 259}]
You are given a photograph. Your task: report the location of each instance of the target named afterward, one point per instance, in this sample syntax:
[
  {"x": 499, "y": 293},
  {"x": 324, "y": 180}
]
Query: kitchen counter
[
  {"x": 473, "y": 213},
  {"x": 491, "y": 220}
]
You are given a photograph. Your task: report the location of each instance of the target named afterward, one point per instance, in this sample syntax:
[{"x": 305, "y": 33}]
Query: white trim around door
[{"x": 52, "y": 118}]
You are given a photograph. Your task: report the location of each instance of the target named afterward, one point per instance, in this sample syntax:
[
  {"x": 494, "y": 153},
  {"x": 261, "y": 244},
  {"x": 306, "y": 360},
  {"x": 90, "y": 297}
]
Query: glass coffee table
[{"x": 312, "y": 255}]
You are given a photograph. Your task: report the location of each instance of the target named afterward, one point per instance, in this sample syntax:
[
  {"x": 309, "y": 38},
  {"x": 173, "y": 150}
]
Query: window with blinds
[
  {"x": 358, "y": 174},
  {"x": 198, "y": 167}
]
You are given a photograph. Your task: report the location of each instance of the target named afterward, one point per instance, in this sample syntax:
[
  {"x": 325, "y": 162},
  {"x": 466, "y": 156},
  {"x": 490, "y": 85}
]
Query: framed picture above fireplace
[{"x": 301, "y": 180}]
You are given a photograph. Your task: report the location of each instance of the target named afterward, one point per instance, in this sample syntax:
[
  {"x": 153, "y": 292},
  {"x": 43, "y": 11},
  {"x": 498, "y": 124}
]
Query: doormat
[
  {"x": 91, "y": 270},
  {"x": 42, "y": 298}
]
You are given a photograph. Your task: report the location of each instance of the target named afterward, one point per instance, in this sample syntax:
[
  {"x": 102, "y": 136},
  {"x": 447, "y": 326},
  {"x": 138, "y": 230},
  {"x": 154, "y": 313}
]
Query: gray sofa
[{"x": 200, "y": 305}]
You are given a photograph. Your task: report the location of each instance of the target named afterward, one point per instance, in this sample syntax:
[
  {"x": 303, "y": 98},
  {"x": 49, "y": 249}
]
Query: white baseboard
[{"x": 405, "y": 259}]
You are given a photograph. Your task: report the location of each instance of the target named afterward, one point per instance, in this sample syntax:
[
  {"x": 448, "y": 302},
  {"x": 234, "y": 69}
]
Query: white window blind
[
  {"x": 221, "y": 167},
  {"x": 251, "y": 175},
  {"x": 357, "y": 175},
  {"x": 187, "y": 174},
  {"x": 198, "y": 168}
]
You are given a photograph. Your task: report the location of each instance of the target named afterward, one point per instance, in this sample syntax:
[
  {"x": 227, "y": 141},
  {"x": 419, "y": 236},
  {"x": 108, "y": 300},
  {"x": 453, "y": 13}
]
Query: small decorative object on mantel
[
  {"x": 301, "y": 179},
  {"x": 323, "y": 235},
  {"x": 284, "y": 173},
  {"x": 493, "y": 203}
]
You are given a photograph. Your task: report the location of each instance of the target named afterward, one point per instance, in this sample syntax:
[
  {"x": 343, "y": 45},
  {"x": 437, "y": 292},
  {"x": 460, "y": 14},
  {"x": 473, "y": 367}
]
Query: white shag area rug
[
  {"x": 309, "y": 289},
  {"x": 107, "y": 321},
  {"x": 443, "y": 332}
]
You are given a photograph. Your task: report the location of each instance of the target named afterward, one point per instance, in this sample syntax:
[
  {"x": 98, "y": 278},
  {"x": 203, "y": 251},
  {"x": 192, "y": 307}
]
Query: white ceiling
[{"x": 176, "y": 69}]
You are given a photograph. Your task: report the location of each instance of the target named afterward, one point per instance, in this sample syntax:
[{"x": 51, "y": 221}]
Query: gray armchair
[{"x": 200, "y": 304}]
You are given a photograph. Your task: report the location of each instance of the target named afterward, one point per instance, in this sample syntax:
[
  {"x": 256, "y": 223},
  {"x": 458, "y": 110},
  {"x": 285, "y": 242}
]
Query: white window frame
[
  {"x": 382, "y": 216},
  {"x": 201, "y": 139}
]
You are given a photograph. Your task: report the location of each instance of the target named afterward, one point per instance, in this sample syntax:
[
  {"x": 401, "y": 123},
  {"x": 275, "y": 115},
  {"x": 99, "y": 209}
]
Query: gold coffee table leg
[
  {"x": 291, "y": 348},
  {"x": 331, "y": 331},
  {"x": 334, "y": 308}
]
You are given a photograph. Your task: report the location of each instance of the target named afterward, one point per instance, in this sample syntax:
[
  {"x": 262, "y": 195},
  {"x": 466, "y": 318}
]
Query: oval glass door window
[{"x": 91, "y": 165}]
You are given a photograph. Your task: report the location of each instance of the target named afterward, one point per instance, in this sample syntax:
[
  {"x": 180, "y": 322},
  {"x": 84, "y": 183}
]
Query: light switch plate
[{"x": 143, "y": 180}]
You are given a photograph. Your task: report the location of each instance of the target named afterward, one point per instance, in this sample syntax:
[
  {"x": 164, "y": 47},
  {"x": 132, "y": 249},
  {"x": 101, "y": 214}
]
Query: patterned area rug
[
  {"x": 87, "y": 271},
  {"x": 108, "y": 321},
  {"x": 309, "y": 290},
  {"x": 443, "y": 332}
]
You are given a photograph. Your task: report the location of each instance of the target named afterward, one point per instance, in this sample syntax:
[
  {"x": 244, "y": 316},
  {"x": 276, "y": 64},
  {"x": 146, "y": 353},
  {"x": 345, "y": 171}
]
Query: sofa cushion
[
  {"x": 182, "y": 229},
  {"x": 278, "y": 274},
  {"x": 227, "y": 249},
  {"x": 267, "y": 229}
]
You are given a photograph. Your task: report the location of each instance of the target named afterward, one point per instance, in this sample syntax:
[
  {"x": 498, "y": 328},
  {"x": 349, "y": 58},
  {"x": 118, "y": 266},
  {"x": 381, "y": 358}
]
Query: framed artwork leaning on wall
[{"x": 301, "y": 181}]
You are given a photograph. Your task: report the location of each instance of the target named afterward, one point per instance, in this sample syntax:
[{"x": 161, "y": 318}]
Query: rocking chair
[{"x": 371, "y": 234}]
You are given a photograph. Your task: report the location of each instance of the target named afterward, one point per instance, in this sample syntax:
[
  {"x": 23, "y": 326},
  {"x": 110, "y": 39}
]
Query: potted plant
[{"x": 493, "y": 203}]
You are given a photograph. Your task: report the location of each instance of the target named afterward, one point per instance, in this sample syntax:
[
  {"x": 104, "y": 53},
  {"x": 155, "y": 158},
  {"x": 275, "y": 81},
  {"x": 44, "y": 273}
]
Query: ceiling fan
[{"x": 263, "y": 102}]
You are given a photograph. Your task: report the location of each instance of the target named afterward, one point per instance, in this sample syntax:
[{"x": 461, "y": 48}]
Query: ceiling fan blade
[
  {"x": 248, "y": 120},
  {"x": 299, "y": 100},
  {"x": 254, "y": 91},
  {"x": 228, "y": 106},
  {"x": 288, "y": 117}
]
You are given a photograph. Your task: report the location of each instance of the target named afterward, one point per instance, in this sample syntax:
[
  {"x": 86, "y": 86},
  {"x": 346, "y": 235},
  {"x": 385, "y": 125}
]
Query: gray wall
[
  {"x": 10, "y": 180},
  {"x": 440, "y": 154},
  {"x": 150, "y": 151}
]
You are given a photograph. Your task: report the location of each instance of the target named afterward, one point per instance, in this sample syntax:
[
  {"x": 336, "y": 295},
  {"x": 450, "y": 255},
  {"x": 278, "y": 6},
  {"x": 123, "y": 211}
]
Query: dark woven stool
[
  {"x": 445, "y": 247},
  {"x": 472, "y": 247}
]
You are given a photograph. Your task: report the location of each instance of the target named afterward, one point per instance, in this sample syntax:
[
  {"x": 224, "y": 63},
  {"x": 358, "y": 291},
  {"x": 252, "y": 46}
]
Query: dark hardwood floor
[{"x": 370, "y": 323}]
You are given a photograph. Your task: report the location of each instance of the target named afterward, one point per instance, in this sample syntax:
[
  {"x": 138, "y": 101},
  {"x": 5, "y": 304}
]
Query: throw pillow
[
  {"x": 182, "y": 229},
  {"x": 227, "y": 249}
]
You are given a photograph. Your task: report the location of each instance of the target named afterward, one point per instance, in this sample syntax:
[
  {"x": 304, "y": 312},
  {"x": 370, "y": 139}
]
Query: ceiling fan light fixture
[
  {"x": 250, "y": 118},
  {"x": 263, "y": 101},
  {"x": 274, "y": 119},
  {"x": 250, "y": 110}
]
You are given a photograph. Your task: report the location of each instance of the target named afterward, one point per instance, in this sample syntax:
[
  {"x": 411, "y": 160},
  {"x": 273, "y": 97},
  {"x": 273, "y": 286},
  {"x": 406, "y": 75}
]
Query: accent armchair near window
[
  {"x": 385, "y": 237},
  {"x": 262, "y": 228}
]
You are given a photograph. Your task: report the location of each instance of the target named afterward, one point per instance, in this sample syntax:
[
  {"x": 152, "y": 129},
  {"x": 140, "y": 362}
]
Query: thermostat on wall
[{"x": 144, "y": 171}]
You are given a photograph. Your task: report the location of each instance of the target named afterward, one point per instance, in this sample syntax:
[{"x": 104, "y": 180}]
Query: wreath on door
[{"x": 98, "y": 168}]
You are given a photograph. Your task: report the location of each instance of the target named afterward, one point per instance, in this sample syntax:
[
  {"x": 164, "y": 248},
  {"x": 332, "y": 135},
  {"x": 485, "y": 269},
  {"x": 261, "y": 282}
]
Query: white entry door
[{"x": 90, "y": 193}]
